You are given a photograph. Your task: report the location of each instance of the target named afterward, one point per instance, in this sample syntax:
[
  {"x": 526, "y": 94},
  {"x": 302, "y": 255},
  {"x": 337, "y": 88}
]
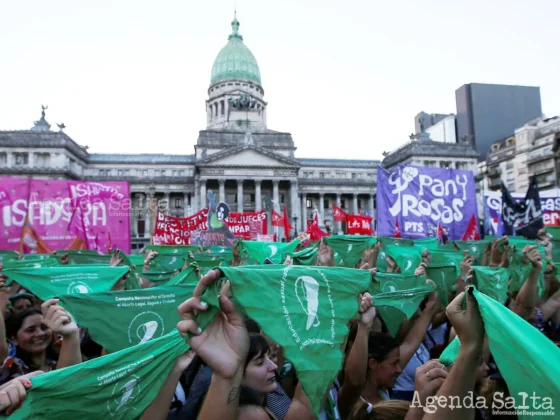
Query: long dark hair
[
  {"x": 380, "y": 345},
  {"x": 14, "y": 324},
  {"x": 258, "y": 346}
]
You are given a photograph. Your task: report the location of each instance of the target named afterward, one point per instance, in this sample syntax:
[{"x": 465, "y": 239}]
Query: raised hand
[
  {"x": 532, "y": 254},
  {"x": 326, "y": 255},
  {"x": 428, "y": 379},
  {"x": 420, "y": 270},
  {"x": 495, "y": 253},
  {"x": 367, "y": 310},
  {"x": 58, "y": 319},
  {"x": 224, "y": 344},
  {"x": 426, "y": 256},
  {"x": 116, "y": 259},
  {"x": 13, "y": 393},
  {"x": 467, "y": 323},
  {"x": 466, "y": 264}
]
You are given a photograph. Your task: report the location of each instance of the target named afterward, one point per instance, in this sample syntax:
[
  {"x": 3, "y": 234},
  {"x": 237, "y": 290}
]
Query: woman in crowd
[
  {"x": 242, "y": 372},
  {"x": 31, "y": 330}
]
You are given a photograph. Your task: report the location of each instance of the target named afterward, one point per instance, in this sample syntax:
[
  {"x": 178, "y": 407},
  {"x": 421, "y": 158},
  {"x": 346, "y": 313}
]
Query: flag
[
  {"x": 397, "y": 229},
  {"x": 360, "y": 225},
  {"x": 30, "y": 242},
  {"x": 348, "y": 249},
  {"x": 471, "y": 233},
  {"x": 372, "y": 227},
  {"x": 492, "y": 281},
  {"x": 277, "y": 219},
  {"x": 287, "y": 226},
  {"x": 117, "y": 386},
  {"x": 77, "y": 227},
  {"x": 50, "y": 282},
  {"x": 313, "y": 230},
  {"x": 441, "y": 236},
  {"x": 118, "y": 320},
  {"x": 524, "y": 218},
  {"x": 305, "y": 310},
  {"x": 338, "y": 214}
]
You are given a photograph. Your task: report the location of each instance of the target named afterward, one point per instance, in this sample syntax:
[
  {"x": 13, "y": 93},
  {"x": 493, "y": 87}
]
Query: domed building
[{"x": 246, "y": 164}]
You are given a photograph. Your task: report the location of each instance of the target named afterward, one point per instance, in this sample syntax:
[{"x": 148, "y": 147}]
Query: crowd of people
[{"x": 235, "y": 370}]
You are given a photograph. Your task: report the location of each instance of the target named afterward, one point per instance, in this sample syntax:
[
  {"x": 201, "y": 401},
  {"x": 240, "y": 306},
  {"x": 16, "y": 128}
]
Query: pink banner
[{"x": 48, "y": 204}]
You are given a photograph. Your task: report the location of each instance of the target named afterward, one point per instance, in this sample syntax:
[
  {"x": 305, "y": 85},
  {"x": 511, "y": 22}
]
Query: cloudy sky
[{"x": 346, "y": 78}]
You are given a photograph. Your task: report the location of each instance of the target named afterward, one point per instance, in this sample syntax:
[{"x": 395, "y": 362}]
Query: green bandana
[
  {"x": 50, "y": 282},
  {"x": 258, "y": 252},
  {"x": 447, "y": 257},
  {"x": 493, "y": 282},
  {"x": 306, "y": 256},
  {"x": 31, "y": 263},
  {"x": 475, "y": 248},
  {"x": 349, "y": 248},
  {"x": 305, "y": 310},
  {"x": 86, "y": 257},
  {"x": 444, "y": 276},
  {"x": 398, "y": 296},
  {"x": 8, "y": 255},
  {"x": 118, "y": 320},
  {"x": 426, "y": 243},
  {"x": 170, "y": 250},
  {"x": 407, "y": 258},
  {"x": 527, "y": 359},
  {"x": 118, "y": 386},
  {"x": 187, "y": 276},
  {"x": 395, "y": 241}
]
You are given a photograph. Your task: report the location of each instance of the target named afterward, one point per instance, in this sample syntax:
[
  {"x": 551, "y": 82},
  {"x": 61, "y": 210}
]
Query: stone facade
[{"x": 236, "y": 156}]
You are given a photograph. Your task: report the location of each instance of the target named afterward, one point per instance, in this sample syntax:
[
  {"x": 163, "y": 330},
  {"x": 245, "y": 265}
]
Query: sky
[{"x": 345, "y": 78}]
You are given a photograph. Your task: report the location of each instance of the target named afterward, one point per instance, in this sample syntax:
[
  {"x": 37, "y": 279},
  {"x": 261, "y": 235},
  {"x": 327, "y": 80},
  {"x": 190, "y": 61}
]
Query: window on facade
[
  {"x": 222, "y": 108},
  {"x": 156, "y": 172},
  {"x": 120, "y": 172},
  {"x": 252, "y": 198},
  {"x": 282, "y": 198},
  {"x": 178, "y": 203},
  {"x": 141, "y": 227},
  {"x": 354, "y": 175},
  {"x": 163, "y": 172},
  {"x": 321, "y": 174},
  {"x": 174, "y": 173},
  {"x": 181, "y": 173},
  {"x": 309, "y": 203},
  {"x": 343, "y": 203},
  {"x": 3, "y": 159},
  {"x": 326, "y": 203},
  {"x": 144, "y": 172},
  {"x": 21, "y": 158},
  {"x": 101, "y": 172}
]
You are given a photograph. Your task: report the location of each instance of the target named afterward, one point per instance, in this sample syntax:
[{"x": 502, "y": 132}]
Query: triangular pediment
[{"x": 248, "y": 155}]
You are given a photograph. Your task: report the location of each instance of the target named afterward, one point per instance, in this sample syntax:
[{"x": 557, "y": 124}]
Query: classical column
[
  {"x": 322, "y": 209},
  {"x": 222, "y": 190},
  {"x": 303, "y": 212},
  {"x": 202, "y": 193},
  {"x": 195, "y": 201},
  {"x": 147, "y": 228},
  {"x": 371, "y": 210},
  {"x": 275, "y": 193},
  {"x": 355, "y": 203},
  {"x": 338, "y": 225},
  {"x": 294, "y": 205},
  {"x": 31, "y": 160},
  {"x": 185, "y": 204},
  {"x": 258, "y": 199},
  {"x": 10, "y": 160},
  {"x": 167, "y": 203},
  {"x": 239, "y": 195}
]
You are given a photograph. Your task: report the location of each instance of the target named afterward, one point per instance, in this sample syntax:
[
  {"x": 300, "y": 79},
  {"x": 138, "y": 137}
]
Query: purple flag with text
[{"x": 418, "y": 199}]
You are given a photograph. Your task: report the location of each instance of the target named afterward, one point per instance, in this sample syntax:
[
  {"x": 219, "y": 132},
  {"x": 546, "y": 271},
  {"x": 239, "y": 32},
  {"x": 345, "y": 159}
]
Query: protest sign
[
  {"x": 170, "y": 230},
  {"x": 417, "y": 199},
  {"x": 247, "y": 225}
]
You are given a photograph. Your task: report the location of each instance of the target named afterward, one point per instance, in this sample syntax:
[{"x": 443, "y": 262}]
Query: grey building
[
  {"x": 423, "y": 121},
  {"x": 487, "y": 113}
]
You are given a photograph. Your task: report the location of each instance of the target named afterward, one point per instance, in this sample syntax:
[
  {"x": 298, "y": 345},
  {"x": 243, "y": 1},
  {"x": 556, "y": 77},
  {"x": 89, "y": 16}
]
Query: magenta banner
[{"x": 49, "y": 206}]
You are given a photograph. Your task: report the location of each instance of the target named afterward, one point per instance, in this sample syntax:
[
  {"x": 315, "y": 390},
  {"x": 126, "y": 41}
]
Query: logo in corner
[
  {"x": 144, "y": 327},
  {"x": 78, "y": 287},
  {"x": 123, "y": 395}
]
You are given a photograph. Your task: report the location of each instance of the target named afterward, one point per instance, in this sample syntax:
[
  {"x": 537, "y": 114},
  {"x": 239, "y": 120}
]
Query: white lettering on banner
[
  {"x": 50, "y": 212},
  {"x": 94, "y": 189},
  {"x": 434, "y": 205},
  {"x": 2, "y": 195}
]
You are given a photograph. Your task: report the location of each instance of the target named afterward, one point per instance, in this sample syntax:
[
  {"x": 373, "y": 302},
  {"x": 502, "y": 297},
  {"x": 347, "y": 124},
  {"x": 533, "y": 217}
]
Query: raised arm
[
  {"x": 61, "y": 322},
  {"x": 526, "y": 300},
  {"x": 356, "y": 364}
]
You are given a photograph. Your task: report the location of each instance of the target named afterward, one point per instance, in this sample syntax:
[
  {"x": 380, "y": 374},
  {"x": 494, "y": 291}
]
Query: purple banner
[{"x": 417, "y": 199}]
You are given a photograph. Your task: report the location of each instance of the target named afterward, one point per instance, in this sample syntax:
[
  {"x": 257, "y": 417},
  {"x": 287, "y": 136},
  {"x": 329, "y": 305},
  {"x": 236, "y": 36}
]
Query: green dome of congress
[{"x": 235, "y": 61}]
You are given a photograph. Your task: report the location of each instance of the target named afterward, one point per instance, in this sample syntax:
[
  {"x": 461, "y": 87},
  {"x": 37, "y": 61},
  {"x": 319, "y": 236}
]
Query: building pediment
[{"x": 247, "y": 156}]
